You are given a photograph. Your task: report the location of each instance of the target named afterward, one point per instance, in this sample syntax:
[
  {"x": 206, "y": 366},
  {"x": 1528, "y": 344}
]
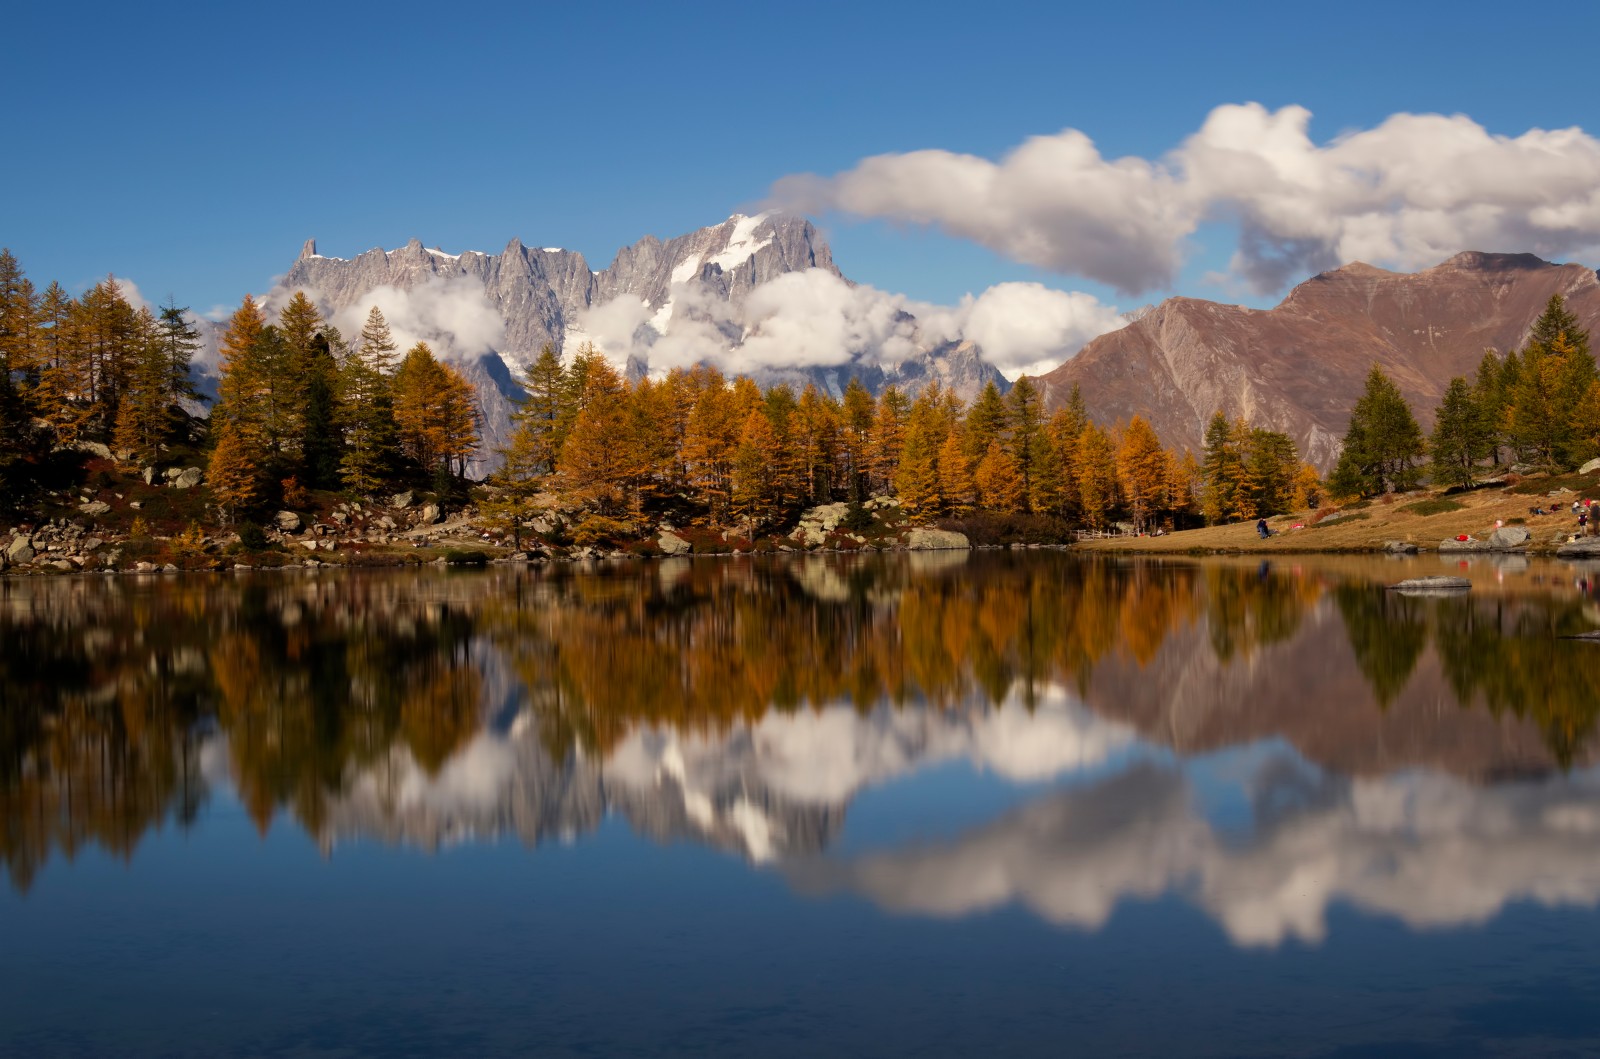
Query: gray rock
[
  {"x": 287, "y": 521},
  {"x": 63, "y": 565},
  {"x": 95, "y": 507},
  {"x": 672, "y": 544},
  {"x": 149, "y": 475},
  {"x": 20, "y": 550},
  {"x": 1508, "y": 537},
  {"x": 1432, "y": 585},
  {"x": 90, "y": 448},
  {"x": 187, "y": 478},
  {"x": 432, "y": 514},
  {"x": 1399, "y": 547},
  {"x": 402, "y": 500},
  {"x": 1583, "y": 547},
  {"x": 92, "y": 544},
  {"x": 144, "y": 568},
  {"x": 919, "y": 540},
  {"x": 1590, "y": 467},
  {"x": 1453, "y": 545}
]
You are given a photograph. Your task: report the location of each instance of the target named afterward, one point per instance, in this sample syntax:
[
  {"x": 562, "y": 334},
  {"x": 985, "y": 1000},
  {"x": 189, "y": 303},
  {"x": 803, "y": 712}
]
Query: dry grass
[{"x": 1383, "y": 521}]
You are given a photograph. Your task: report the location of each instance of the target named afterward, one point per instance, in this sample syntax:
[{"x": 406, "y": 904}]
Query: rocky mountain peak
[{"x": 1300, "y": 366}]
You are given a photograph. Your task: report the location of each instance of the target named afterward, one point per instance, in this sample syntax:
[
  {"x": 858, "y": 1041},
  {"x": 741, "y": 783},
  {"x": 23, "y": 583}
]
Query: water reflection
[{"x": 747, "y": 705}]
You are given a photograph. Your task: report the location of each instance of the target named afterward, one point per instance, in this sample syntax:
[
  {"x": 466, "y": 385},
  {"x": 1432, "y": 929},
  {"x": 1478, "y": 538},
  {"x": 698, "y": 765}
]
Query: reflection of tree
[
  {"x": 1245, "y": 611},
  {"x": 1509, "y": 653},
  {"x": 108, "y": 687},
  {"x": 1386, "y": 633}
]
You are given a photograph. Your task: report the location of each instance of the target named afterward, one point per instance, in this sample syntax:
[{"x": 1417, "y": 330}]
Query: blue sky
[{"x": 192, "y": 148}]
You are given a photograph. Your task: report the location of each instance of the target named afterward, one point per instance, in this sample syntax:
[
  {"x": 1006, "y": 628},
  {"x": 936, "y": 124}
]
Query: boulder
[
  {"x": 432, "y": 514},
  {"x": 187, "y": 478},
  {"x": 1450, "y": 544},
  {"x": 1582, "y": 548},
  {"x": 91, "y": 448},
  {"x": 1399, "y": 547},
  {"x": 1432, "y": 585},
  {"x": 287, "y": 521},
  {"x": 61, "y": 564},
  {"x": 149, "y": 475},
  {"x": 1508, "y": 537},
  {"x": 402, "y": 500},
  {"x": 1590, "y": 467},
  {"x": 20, "y": 551},
  {"x": 95, "y": 507},
  {"x": 673, "y": 544},
  {"x": 927, "y": 540}
]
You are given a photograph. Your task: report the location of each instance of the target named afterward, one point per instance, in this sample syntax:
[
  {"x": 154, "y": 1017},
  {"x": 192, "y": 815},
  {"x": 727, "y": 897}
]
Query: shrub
[
  {"x": 857, "y": 519},
  {"x": 993, "y": 527},
  {"x": 467, "y": 557},
  {"x": 597, "y": 529},
  {"x": 1437, "y": 506},
  {"x": 252, "y": 536}
]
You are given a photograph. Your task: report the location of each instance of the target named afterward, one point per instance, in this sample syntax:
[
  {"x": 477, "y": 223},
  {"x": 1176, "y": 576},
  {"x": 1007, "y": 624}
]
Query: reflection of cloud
[
  {"x": 828, "y": 755},
  {"x": 1428, "y": 850}
]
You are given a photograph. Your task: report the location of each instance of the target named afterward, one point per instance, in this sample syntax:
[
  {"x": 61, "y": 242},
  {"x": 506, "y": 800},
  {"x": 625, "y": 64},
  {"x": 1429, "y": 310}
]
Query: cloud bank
[
  {"x": 1413, "y": 190},
  {"x": 812, "y": 318},
  {"x": 452, "y": 314}
]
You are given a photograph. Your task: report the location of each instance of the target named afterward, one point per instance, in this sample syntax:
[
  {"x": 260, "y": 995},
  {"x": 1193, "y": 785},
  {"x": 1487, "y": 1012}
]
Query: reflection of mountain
[
  {"x": 777, "y": 787},
  {"x": 1312, "y": 690},
  {"x": 743, "y": 704},
  {"x": 1428, "y": 850}
]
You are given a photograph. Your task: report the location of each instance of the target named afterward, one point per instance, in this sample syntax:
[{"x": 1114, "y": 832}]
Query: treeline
[
  {"x": 725, "y": 453},
  {"x": 299, "y": 407},
  {"x": 92, "y": 368},
  {"x": 1538, "y": 406}
]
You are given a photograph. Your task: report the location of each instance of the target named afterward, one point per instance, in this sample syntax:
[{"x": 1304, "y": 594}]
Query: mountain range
[
  {"x": 763, "y": 296},
  {"x": 688, "y": 300}
]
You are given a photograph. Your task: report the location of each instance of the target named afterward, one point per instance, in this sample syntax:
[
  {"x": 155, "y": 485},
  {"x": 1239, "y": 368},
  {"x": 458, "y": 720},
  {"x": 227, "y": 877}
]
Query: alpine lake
[{"x": 992, "y": 803}]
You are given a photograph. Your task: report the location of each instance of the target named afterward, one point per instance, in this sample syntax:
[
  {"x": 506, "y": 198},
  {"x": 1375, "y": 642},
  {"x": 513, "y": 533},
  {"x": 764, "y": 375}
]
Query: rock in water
[{"x": 1427, "y": 586}]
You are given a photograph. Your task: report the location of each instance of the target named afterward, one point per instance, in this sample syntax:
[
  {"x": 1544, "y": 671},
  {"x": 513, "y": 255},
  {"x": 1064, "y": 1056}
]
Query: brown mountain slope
[{"x": 1299, "y": 367}]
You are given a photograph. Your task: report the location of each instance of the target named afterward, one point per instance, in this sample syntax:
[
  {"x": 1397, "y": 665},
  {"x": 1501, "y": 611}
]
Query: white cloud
[
  {"x": 812, "y": 318},
  {"x": 1025, "y": 328},
  {"x": 1413, "y": 190},
  {"x": 452, "y": 314}
]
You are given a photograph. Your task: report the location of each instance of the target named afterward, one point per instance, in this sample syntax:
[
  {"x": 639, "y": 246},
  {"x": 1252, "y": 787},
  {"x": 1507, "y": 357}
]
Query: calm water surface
[{"x": 998, "y": 804}]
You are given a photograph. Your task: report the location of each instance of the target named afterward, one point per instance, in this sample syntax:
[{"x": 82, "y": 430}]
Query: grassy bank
[{"x": 1421, "y": 518}]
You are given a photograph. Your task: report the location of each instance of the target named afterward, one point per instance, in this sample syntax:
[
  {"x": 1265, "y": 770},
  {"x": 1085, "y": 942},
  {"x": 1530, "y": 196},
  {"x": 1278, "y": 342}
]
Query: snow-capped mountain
[{"x": 754, "y": 295}]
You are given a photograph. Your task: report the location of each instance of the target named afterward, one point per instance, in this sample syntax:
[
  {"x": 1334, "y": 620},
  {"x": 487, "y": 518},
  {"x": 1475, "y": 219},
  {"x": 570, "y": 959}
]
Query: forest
[
  {"x": 302, "y": 412},
  {"x": 304, "y": 416}
]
